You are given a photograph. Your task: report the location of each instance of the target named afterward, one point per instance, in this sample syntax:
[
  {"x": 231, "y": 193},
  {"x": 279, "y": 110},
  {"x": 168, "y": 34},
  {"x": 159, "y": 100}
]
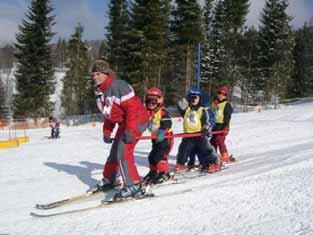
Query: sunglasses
[
  {"x": 152, "y": 101},
  {"x": 194, "y": 97}
]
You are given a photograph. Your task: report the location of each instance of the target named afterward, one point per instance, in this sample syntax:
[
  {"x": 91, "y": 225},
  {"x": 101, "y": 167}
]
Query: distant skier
[
  {"x": 196, "y": 120},
  {"x": 55, "y": 127},
  {"x": 117, "y": 102},
  {"x": 160, "y": 125},
  {"x": 223, "y": 111}
]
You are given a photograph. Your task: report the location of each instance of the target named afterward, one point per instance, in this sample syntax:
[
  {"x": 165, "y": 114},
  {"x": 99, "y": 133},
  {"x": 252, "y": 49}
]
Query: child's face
[
  {"x": 152, "y": 102},
  {"x": 195, "y": 99},
  {"x": 221, "y": 96}
]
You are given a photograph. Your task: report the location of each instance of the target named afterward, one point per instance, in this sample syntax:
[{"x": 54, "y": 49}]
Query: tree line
[{"x": 154, "y": 43}]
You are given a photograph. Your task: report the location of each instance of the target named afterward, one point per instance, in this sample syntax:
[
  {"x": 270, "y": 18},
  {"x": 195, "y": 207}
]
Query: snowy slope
[{"x": 269, "y": 191}]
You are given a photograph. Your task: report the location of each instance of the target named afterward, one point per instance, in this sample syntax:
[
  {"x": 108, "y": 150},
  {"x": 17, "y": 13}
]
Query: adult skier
[
  {"x": 160, "y": 125},
  {"x": 120, "y": 107}
]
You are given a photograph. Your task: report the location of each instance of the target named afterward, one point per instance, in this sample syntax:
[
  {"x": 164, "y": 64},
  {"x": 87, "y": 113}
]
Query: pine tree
[
  {"x": 215, "y": 52},
  {"x": 187, "y": 30},
  {"x": 207, "y": 56},
  {"x": 275, "y": 50},
  {"x": 221, "y": 48},
  {"x": 248, "y": 64},
  {"x": 60, "y": 52},
  {"x": 2, "y": 100},
  {"x": 76, "y": 95},
  {"x": 302, "y": 83},
  {"x": 35, "y": 73},
  {"x": 117, "y": 30},
  {"x": 148, "y": 43}
]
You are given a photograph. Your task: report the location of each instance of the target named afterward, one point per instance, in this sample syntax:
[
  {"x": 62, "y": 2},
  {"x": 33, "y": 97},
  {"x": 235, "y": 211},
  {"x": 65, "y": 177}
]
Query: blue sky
[{"x": 92, "y": 14}]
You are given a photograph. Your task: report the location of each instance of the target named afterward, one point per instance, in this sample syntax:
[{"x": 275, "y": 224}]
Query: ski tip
[{"x": 32, "y": 214}]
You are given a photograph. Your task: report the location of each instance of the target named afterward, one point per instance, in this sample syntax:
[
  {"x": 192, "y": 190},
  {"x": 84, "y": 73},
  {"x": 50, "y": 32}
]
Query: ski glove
[
  {"x": 206, "y": 130},
  {"x": 107, "y": 139},
  {"x": 128, "y": 137},
  {"x": 160, "y": 136},
  {"x": 183, "y": 104}
]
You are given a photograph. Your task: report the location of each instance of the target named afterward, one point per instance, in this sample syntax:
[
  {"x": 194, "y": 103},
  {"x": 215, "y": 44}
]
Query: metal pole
[{"x": 198, "y": 75}]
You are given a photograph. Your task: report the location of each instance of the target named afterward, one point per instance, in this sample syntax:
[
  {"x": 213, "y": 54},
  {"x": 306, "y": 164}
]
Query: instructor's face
[{"x": 98, "y": 78}]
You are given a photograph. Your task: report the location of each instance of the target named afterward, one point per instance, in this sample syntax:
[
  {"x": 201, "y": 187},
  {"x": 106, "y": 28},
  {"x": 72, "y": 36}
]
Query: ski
[
  {"x": 109, "y": 204},
  {"x": 77, "y": 198},
  {"x": 70, "y": 200}
]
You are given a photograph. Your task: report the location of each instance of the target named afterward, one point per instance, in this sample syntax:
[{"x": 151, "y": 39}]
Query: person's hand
[
  {"x": 128, "y": 137},
  {"x": 107, "y": 139},
  {"x": 206, "y": 130},
  {"x": 183, "y": 104},
  {"x": 160, "y": 136}
]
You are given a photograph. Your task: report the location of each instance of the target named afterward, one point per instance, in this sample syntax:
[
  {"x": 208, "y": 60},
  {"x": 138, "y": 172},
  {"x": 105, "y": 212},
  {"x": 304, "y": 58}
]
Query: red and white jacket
[{"x": 117, "y": 102}]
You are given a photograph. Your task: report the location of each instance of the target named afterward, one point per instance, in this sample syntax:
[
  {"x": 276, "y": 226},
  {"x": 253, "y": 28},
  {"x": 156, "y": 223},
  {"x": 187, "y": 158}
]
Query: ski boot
[
  {"x": 161, "y": 178},
  {"x": 104, "y": 185},
  {"x": 150, "y": 176},
  {"x": 214, "y": 167},
  {"x": 226, "y": 158},
  {"x": 128, "y": 192},
  {"x": 180, "y": 169}
]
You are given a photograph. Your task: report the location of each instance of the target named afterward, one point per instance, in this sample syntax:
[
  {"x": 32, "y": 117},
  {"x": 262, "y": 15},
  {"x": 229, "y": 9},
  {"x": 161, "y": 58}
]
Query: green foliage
[
  {"x": 115, "y": 50},
  {"x": 77, "y": 83},
  {"x": 35, "y": 73},
  {"x": 187, "y": 32},
  {"x": 147, "y": 44},
  {"x": 276, "y": 44},
  {"x": 302, "y": 82}
]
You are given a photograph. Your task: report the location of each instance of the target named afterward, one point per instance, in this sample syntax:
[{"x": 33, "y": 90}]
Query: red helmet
[
  {"x": 224, "y": 90},
  {"x": 156, "y": 94}
]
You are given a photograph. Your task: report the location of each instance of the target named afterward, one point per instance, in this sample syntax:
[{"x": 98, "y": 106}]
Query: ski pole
[{"x": 180, "y": 135}]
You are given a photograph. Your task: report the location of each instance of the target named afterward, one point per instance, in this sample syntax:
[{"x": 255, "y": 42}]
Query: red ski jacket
[{"x": 117, "y": 101}]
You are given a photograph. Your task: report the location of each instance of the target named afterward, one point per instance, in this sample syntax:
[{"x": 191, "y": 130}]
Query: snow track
[{"x": 268, "y": 191}]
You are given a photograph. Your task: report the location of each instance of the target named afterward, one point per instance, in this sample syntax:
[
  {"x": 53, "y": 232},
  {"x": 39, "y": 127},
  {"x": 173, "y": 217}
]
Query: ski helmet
[
  {"x": 224, "y": 90},
  {"x": 155, "y": 96},
  {"x": 192, "y": 93}
]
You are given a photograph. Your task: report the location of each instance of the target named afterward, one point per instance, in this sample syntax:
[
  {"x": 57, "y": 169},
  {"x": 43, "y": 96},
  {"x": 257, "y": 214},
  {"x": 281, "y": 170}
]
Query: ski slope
[{"x": 269, "y": 191}]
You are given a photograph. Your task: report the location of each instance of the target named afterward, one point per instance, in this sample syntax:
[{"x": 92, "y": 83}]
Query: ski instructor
[{"x": 120, "y": 106}]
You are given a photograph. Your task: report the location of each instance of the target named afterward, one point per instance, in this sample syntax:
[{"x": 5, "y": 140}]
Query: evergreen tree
[
  {"x": 35, "y": 73},
  {"x": 60, "y": 51},
  {"x": 207, "y": 55},
  {"x": 117, "y": 30},
  {"x": 221, "y": 48},
  {"x": 248, "y": 64},
  {"x": 215, "y": 52},
  {"x": 103, "y": 50},
  {"x": 2, "y": 100},
  {"x": 148, "y": 43},
  {"x": 275, "y": 50},
  {"x": 302, "y": 83},
  {"x": 187, "y": 30},
  {"x": 77, "y": 84}
]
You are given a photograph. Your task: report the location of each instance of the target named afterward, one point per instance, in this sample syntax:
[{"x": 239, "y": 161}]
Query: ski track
[{"x": 268, "y": 191}]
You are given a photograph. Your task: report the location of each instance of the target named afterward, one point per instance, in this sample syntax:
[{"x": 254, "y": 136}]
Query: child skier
[
  {"x": 223, "y": 111},
  {"x": 160, "y": 125},
  {"x": 55, "y": 127},
  {"x": 196, "y": 120}
]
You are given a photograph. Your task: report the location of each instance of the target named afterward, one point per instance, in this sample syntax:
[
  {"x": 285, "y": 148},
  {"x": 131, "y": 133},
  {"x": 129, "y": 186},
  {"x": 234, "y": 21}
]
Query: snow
[{"x": 268, "y": 191}]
